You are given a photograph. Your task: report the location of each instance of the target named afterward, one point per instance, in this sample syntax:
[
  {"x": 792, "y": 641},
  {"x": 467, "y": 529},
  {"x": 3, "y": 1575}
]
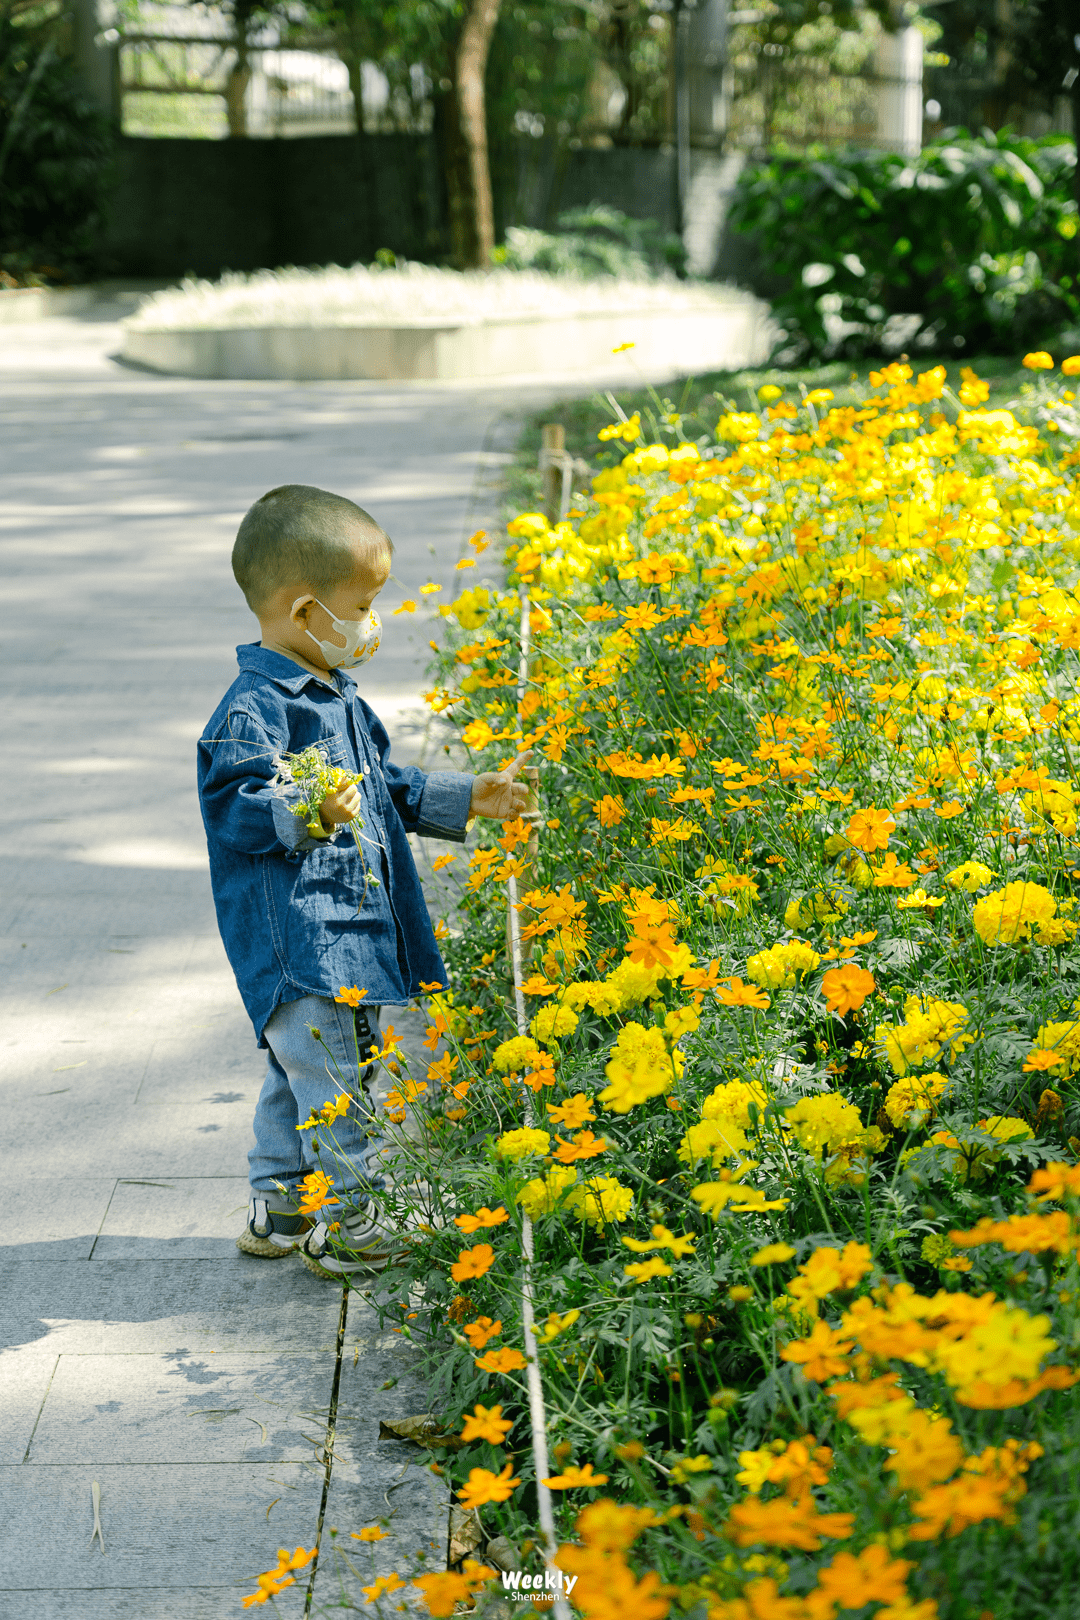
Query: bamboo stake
[{"x": 537, "y": 1413}]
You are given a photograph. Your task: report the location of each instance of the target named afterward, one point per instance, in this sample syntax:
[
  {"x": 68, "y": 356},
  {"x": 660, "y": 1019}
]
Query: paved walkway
[{"x": 139, "y": 1349}]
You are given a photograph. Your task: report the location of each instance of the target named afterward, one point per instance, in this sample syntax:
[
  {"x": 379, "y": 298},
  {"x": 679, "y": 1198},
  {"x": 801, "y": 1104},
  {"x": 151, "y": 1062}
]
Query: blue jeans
[{"x": 301, "y": 1075}]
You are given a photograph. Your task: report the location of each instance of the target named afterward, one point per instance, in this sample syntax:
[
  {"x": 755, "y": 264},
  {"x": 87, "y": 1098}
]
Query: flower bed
[
  {"x": 416, "y": 322},
  {"x": 802, "y": 1129}
]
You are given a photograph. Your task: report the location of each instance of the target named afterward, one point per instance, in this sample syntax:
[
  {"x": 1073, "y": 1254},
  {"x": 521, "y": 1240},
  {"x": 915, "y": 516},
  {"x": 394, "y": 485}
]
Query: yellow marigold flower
[
  {"x": 913, "y": 1100},
  {"x": 523, "y": 1144},
  {"x": 824, "y": 1123},
  {"x": 971, "y": 875},
  {"x": 540, "y": 1196},
  {"x": 732, "y": 1100},
  {"x": 1039, "y": 360},
  {"x": 713, "y": 1139},
  {"x": 516, "y": 1054},
  {"x": 552, "y": 1023},
  {"x": 641, "y": 1067},
  {"x": 600, "y": 1200},
  {"x": 930, "y": 1027},
  {"x": 1007, "y": 915},
  {"x": 781, "y": 965}
]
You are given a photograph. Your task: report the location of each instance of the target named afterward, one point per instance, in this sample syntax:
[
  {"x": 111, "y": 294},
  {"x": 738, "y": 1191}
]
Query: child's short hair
[{"x": 300, "y": 533}]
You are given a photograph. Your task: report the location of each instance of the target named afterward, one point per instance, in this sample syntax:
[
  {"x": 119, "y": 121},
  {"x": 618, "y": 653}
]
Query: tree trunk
[
  {"x": 355, "y": 66},
  {"x": 453, "y": 158},
  {"x": 470, "y": 63},
  {"x": 239, "y": 76}
]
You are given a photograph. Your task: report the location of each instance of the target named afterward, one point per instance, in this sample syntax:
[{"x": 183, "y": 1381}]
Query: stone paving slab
[
  {"x": 25, "y": 1375},
  {"x": 164, "y": 1525},
  {"x": 182, "y": 1219},
  {"x": 57, "y": 1229},
  {"x": 226, "y": 1408},
  {"x": 147, "y": 1603},
  {"x": 187, "y": 1308}
]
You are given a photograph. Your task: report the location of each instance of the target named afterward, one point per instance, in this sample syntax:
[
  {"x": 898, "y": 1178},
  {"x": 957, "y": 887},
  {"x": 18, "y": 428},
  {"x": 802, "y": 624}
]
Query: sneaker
[
  {"x": 361, "y": 1241},
  {"x": 274, "y": 1227}
]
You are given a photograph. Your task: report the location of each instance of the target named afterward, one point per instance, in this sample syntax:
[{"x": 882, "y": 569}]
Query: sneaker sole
[
  {"x": 376, "y": 1264},
  {"x": 250, "y": 1244}
]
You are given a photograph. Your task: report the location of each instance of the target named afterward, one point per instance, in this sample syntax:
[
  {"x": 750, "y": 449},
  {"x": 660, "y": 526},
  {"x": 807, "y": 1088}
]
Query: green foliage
[
  {"x": 973, "y": 240},
  {"x": 595, "y": 241},
  {"x": 54, "y": 155}
]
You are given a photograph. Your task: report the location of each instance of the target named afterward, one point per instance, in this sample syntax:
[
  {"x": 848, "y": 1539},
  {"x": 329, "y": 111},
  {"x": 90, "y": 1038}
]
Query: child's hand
[
  {"x": 498, "y": 794},
  {"x": 342, "y": 804}
]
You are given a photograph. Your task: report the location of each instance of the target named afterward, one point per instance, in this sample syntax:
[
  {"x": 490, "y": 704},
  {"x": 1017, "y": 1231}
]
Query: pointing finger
[{"x": 515, "y": 765}]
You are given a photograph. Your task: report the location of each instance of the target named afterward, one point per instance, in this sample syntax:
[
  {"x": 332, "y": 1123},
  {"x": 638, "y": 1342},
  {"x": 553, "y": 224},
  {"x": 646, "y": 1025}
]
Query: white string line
[{"x": 537, "y": 1411}]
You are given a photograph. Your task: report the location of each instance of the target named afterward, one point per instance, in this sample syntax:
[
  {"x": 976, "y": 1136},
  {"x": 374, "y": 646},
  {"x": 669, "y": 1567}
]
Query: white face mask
[{"x": 362, "y": 638}]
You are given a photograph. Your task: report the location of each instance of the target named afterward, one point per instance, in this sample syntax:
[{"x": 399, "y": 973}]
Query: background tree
[{"x": 55, "y": 148}]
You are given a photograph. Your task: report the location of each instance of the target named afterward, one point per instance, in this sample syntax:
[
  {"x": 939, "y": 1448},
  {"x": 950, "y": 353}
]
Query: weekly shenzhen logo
[{"x": 537, "y": 1588}]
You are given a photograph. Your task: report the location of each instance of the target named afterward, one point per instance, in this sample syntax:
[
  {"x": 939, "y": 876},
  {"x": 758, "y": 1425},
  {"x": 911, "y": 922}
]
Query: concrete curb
[
  {"x": 735, "y": 332},
  {"x": 21, "y": 304}
]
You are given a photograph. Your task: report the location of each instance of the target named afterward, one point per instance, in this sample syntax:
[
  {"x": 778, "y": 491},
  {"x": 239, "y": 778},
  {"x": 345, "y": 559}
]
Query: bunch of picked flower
[{"x": 311, "y": 776}]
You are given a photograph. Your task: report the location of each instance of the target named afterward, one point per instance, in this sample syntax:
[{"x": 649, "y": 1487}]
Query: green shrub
[
  {"x": 54, "y": 154},
  {"x": 970, "y": 244},
  {"x": 595, "y": 241}
]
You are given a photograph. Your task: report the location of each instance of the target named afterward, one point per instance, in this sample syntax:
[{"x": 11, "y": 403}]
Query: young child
[{"x": 300, "y": 917}]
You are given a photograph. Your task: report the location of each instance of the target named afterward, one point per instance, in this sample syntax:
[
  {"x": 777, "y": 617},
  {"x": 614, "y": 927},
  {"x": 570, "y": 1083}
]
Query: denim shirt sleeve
[
  {"x": 243, "y": 806},
  {"x": 433, "y": 804}
]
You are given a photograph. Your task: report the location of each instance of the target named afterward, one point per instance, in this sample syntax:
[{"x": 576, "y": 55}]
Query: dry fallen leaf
[{"x": 422, "y": 1430}]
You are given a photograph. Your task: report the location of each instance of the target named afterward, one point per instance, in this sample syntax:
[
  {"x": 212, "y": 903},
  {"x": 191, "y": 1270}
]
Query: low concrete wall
[
  {"x": 734, "y": 333},
  {"x": 21, "y": 304}
]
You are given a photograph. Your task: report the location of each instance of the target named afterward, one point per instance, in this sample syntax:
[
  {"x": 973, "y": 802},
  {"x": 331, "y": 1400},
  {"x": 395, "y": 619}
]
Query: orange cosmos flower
[
  {"x": 473, "y": 1262},
  {"x": 351, "y": 998},
  {"x": 734, "y": 993},
  {"x": 501, "y": 1361},
  {"x": 870, "y": 829},
  {"x": 486, "y": 1423},
  {"x": 846, "y": 988},
  {"x": 479, "y": 1332},
  {"x": 484, "y": 1486},
  {"x": 483, "y": 1217},
  {"x": 609, "y": 810}
]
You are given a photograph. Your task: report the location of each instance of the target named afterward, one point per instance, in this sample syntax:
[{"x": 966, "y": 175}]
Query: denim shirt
[{"x": 288, "y": 904}]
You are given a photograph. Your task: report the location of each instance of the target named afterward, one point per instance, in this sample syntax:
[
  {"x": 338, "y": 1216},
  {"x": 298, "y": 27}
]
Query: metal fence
[{"x": 197, "y": 85}]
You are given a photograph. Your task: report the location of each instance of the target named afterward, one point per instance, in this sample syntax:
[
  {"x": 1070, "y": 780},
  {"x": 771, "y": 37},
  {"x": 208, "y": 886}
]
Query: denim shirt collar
[{"x": 284, "y": 672}]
